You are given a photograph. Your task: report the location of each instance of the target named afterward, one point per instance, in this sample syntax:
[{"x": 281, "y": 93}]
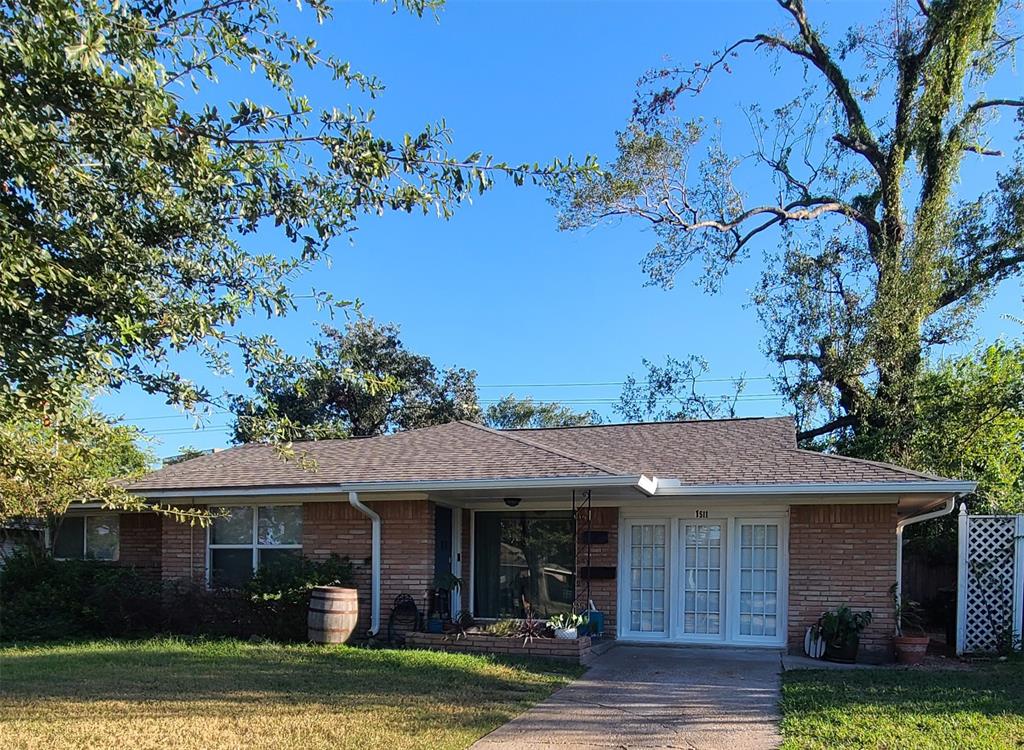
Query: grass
[
  {"x": 169, "y": 693},
  {"x": 977, "y": 707}
]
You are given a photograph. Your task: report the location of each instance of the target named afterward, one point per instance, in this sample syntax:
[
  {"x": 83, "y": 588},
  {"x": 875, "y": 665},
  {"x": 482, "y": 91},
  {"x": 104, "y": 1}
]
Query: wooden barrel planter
[{"x": 333, "y": 612}]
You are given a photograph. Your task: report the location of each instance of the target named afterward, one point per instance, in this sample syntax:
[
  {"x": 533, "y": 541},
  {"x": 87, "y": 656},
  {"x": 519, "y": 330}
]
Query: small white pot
[{"x": 565, "y": 634}]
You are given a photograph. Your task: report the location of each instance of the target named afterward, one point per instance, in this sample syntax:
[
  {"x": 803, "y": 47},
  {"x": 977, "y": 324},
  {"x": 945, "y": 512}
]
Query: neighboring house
[{"x": 709, "y": 532}]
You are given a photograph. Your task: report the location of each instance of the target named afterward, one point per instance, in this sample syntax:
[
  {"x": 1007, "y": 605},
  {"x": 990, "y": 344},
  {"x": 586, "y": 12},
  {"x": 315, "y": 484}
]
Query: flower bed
[{"x": 576, "y": 650}]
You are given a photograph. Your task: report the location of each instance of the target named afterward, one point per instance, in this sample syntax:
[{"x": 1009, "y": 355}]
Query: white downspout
[
  {"x": 353, "y": 500},
  {"x": 900, "y": 525}
]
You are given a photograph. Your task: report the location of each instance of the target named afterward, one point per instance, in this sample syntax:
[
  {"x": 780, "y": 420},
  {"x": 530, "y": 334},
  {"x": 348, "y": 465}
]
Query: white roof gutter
[
  {"x": 670, "y": 488},
  {"x": 947, "y": 507},
  {"x": 375, "y": 567},
  {"x": 644, "y": 484}
]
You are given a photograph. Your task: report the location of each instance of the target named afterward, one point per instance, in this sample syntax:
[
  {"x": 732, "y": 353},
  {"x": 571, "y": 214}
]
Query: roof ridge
[
  {"x": 542, "y": 447},
  {"x": 637, "y": 424},
  {"x": 870, "y": 462}
]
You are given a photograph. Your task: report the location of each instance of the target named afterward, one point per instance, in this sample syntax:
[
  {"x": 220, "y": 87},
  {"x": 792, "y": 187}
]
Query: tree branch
[
  {"x": 861, "y": 140},
  {"x": 986, "y": 103},
  {"x": 980, "y": 274},
  {"x": 847, "y": 420}
]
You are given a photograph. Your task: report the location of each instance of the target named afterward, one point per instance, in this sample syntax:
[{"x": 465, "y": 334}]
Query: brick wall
[
  {"x": 603, "y": 592},
  {"x": 182, "y": 551},
  {"x": 407, "y": 548},
  {"x": 842, "y": 554},
  {"x": 140, "y": 542}
]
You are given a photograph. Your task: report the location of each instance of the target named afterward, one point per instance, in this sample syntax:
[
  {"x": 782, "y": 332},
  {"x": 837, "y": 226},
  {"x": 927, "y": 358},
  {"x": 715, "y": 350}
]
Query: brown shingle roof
[
  {"x": 728, "y": 451},
  {"x": 458, "y": 450},
  {"x": 736, "y": 451}
]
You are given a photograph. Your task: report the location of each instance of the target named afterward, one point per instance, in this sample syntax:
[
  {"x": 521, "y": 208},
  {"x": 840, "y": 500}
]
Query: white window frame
[
  {"x": 85, "y": 537},
  {"x": 254, "y": 544},
  {"x": 704, "y": 511},
  {"x": 624, "y": 581},
  {"x": 724, "y": 580},
  {"x": 781, "y": 584}
]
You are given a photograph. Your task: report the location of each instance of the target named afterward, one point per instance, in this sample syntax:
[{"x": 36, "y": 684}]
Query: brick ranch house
[{"x": 704, "y": 532}]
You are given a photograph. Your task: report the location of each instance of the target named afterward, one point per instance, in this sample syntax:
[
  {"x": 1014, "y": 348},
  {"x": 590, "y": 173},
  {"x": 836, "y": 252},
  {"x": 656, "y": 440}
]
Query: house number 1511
[{"x": 700, "y": 513}]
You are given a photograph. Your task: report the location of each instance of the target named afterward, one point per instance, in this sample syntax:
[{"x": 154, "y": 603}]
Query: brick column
[{"x": 604, "y": 592}]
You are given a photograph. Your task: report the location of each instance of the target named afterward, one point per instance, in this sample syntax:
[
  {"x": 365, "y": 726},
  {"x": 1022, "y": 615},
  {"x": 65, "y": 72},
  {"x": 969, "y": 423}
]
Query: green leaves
[
  {"x": 359, "y": 382},
  {"x": 141, "y": 216}
]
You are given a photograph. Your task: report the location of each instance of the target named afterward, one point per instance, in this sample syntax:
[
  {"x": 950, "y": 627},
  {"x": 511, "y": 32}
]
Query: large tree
[
  {"x": 358, "y": 382},
  {"x": 847, "y": 190},
  {"x": 511, "y": 412},
  {"x": 146, "y": 210}
]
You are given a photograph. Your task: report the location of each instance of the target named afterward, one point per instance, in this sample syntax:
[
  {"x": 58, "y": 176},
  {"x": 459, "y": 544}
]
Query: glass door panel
[
  {"x": 702, "y": 578},
  {"x": 647, "y": 578},
  {"x": 759, "y": 580}
]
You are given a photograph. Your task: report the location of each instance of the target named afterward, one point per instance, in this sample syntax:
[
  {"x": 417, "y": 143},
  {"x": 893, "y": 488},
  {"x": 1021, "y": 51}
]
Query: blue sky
[{"x": 497, "y": 288}]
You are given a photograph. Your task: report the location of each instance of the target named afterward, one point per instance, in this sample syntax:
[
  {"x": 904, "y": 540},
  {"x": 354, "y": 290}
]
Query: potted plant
[
  {"x": 566, "y": 625},
  {"x": 841, "y": 629},
  {"x": 911, "y": 641}
]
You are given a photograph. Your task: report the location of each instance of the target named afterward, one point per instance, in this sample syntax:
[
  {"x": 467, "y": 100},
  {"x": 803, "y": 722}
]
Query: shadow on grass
[{"x": 227, "y": 671}]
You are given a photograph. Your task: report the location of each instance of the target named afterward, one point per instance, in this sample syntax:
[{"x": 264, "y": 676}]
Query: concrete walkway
[{"x": 657, "y": 697}]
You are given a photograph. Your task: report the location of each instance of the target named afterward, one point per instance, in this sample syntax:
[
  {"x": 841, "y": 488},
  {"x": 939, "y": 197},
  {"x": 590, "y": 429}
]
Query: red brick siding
[
  {"x": 603, "y": 592},
  {"x": 407, "y": 548},
  {"x": 182, "y": 551},
  {"x": 140, "y": 543},
  {"x": 842, "y": 554}
]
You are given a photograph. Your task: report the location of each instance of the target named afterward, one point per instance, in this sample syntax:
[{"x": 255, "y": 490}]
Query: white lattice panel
[{"x": 989, "y": 568}]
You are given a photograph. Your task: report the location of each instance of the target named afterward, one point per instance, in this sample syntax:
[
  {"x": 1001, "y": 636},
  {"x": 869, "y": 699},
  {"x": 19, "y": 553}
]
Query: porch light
[{"x": 513, "y": 501}]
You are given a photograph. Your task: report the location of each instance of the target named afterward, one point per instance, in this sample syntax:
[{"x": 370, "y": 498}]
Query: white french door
[
  {"x": 648, "y": 601},
  {"x": 702, "y": 579},
  {"x": 758, "y": 558}
]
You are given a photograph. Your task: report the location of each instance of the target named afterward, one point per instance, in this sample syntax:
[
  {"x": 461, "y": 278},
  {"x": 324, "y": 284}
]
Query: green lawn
[
  {"x": 979, "y": 707},
  {"x": 229, "y": 694}
]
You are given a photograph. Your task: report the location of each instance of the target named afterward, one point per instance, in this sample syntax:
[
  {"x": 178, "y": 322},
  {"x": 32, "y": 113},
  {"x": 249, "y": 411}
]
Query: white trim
[
  {"x": 624, "y": 582},
  {"x": 729, "y": 517},
  {"x": 254, "y": 545},
  {"x": 667, "y": 489},
  {"x": 1018, "y": 581},
  {"x": 647, "y": 485},
  {"x": 456, "y": 595},
  {"x": 472, "y": 563},
  {"x": 961, "y": 580},
  {"x": 781, "y": 583},
  {"x": 445, "y": 485}
]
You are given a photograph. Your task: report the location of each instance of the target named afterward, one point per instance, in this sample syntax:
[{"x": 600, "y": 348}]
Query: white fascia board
[
  {"x": 641, "y": 482},
  {"x": 858, "y": 488}
]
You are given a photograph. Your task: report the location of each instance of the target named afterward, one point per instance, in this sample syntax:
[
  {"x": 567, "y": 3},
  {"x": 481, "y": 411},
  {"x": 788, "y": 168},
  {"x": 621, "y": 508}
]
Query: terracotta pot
[{"x": 910, "y": 649}]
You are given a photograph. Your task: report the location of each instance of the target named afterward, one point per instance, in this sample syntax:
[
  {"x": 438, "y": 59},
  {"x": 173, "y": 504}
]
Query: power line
[{"x": 743, "y": 397}]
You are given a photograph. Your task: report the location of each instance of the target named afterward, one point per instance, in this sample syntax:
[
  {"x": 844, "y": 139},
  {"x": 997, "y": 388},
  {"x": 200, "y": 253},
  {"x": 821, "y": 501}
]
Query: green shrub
[
  {"x": 272, "y": 605},
  {"x": 44, "y": 599}
]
